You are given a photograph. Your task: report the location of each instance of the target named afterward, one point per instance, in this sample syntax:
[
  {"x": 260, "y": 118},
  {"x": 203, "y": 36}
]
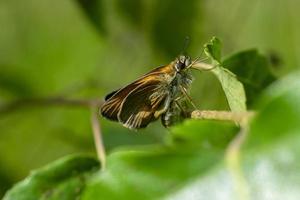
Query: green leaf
[
  {"x": 234, "y": 90},
  {"x": 269, "y": 167},
  {"x": 133, "y": 173},
  {"x": 213, "y": 50},
  {"x": 253, "y": 70},
  {"x": 279, "y": 114},
  {"x": 5, "y": 182},
  {"x": 63, "y": 179},
  {"x": 271, "y": 152},
  {"x": 150, "y": 173}
]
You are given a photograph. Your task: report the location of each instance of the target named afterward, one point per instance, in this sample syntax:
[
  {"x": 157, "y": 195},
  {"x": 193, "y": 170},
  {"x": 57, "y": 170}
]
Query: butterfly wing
[
  {"x": 141, "y": 106},
  {"x": 136, "y": 104},
  {"x": 113, "y": 101}
]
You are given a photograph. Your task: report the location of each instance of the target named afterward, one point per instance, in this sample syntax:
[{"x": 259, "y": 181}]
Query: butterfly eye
[{"x": 179, "y": 66}]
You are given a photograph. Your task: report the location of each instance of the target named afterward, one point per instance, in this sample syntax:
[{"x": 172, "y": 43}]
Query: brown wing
[
  {"x": 140, "y": 106},
  {"x": 113, "y": 101},
  {"x": 118, "y": 104}
]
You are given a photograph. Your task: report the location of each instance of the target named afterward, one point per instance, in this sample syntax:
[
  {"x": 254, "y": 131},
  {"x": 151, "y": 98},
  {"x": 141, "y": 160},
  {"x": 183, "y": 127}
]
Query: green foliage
[
  {"x": 145, "y": 172},
  {"x": 63, "y": 179},
  {"x": 252, "y": 69},
  {"x": 193, "y": 162},
  {"x": 57, "y": 48},
  {"x": 213, "y": 50},
  {"x": 271, "y": 160},
  {"x": 279, "y": 103},
  {"x": 233, "y": 89}
]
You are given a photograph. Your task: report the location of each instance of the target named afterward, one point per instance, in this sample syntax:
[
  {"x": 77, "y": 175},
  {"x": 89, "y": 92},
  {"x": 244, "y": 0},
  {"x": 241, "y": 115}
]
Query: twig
[
  {"x": 233, "y": 159},
  {"x": 237, "y": 117},
  {"x": 93, "y": 104},
  {"x": 100, "y": 149},
  {"x": 233, "y": 150},
  {"x": 47, "y": 101}
]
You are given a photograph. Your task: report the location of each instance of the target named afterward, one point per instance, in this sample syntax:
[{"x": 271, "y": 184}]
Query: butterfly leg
[
  {"x": 183, "y": 90},
  {"x": 179, "y": 106},
  {"x": 175, "y": 113},
  {"x": 165, "y": 107},
  {"x": 184, "y": 112}
]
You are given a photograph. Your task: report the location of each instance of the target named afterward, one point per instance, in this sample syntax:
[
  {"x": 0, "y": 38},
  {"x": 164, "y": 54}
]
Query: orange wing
[{"x": 135, "y": 104}]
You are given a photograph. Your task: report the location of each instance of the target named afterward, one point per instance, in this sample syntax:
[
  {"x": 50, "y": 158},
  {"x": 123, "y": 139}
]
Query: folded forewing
[
  {"x": 150, "y": 87},
  {"x": 139, "y": 108}
]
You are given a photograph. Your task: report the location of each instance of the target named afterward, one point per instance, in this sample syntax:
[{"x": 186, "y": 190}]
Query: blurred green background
[{"x": 86, "y": 48}]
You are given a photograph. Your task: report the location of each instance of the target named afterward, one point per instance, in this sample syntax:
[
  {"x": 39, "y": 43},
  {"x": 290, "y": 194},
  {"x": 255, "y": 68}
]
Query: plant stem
[
  {"x": 100, "y": 149},
  {"x": 237, "y": 117},
  {"x": 47, "y": 101},
  {"x": 233, "y": 160},
  {"x": 93, "y": 104}
]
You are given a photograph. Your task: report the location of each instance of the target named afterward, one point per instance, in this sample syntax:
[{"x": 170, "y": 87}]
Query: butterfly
[{"x": 161, "y": 93}]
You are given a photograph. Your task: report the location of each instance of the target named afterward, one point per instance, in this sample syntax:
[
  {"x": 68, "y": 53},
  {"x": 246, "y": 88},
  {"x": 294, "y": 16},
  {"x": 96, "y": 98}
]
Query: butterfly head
[{"x": 182, "y": 62}]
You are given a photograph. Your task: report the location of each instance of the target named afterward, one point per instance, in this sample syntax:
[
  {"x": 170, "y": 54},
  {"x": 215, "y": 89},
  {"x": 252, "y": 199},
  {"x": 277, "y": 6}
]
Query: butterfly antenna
[{"x": 197, "y": 59}]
